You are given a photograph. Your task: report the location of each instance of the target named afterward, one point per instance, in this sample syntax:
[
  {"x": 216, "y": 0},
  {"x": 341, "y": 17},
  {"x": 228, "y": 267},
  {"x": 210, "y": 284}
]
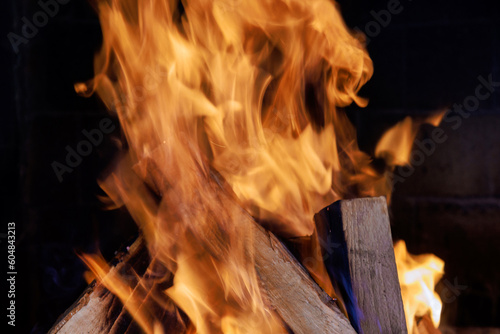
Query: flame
[
  {"x": 418, "y": 276},
  {"x": 396, "y": 143},
  {"x": 229, "y": 109}
]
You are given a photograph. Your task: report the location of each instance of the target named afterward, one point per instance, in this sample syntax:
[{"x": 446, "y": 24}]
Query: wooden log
[
  {"x": 97, "y": 310},
  {"x": 300, "y": 302},
  {"x": 292, "y": 293},
  {"x": 357, "y": 250}
]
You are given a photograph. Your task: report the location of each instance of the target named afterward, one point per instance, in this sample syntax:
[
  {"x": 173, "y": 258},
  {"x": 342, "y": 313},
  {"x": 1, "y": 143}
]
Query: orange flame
[
  {"x": 396, "y": 143},
  {"x": 418, "y": 276},
  {"x": 228, "y": 108}
]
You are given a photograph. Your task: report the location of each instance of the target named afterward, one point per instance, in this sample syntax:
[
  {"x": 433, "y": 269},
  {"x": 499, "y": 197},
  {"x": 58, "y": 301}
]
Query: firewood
[
  {"x": 300, "y": 302},
  {"x": 97, "y": 310},
  {"x": 292, "y": 293},
  {"x": 357, "y": 250}
]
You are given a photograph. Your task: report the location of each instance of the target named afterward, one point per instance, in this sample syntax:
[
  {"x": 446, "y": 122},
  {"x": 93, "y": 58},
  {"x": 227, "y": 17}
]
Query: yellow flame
[
  {"x": 229, "y": 109},
  {"x": 418, "y": 276},
  {"x": 396, "y": 143}
]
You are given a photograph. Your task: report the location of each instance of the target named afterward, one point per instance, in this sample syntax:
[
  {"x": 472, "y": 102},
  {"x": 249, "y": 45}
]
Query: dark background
[{"x": 427, "y": 58}]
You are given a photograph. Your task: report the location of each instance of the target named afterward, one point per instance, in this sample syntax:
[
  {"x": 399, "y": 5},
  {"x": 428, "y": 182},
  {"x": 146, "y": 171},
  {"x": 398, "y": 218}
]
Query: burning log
[
  {"x": 299, "y": 301},
  {"x": 229, "y": 131},
  {"x": 97, "y": 310},
  {"x": 353, "y": 241},
  {"x": 362, "y": 262}
]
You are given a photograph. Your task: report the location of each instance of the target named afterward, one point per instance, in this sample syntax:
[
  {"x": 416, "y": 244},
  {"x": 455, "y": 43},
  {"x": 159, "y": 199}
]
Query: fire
[
  {"x": 418, "y": 276},
  {"x": 396, "y": 143},
  {"x": 228, "y": 109}
]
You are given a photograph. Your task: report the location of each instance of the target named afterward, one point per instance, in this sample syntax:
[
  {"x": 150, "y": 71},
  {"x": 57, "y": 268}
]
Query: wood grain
[
  {"x": 97, "y": 310},
  {"x": 292, "y": 293},
  {"x": 359, "y": 256},
  {"x": 300, "y": 302}
]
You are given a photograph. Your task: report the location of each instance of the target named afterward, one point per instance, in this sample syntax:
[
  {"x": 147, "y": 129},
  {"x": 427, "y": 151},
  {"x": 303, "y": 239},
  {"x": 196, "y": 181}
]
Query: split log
[
  {"x": 300, "y": 302},
  {"x": 357, "y": 250},
  {"x": 97, "y": 310},
  {"x": 292, "y": 293}
]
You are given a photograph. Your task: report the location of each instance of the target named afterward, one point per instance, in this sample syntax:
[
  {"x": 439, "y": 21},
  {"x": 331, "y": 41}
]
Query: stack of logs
[{"x": 356, "y": 247}]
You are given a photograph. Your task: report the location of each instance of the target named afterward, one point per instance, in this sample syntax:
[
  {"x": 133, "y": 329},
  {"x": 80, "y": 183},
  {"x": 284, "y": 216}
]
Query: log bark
[
  {"x": 292, "y": 293},
  {"x": 357, "y": 250}
]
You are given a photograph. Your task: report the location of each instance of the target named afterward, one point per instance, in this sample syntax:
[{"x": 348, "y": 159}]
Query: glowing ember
[{"x": 418, "y": 276}]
